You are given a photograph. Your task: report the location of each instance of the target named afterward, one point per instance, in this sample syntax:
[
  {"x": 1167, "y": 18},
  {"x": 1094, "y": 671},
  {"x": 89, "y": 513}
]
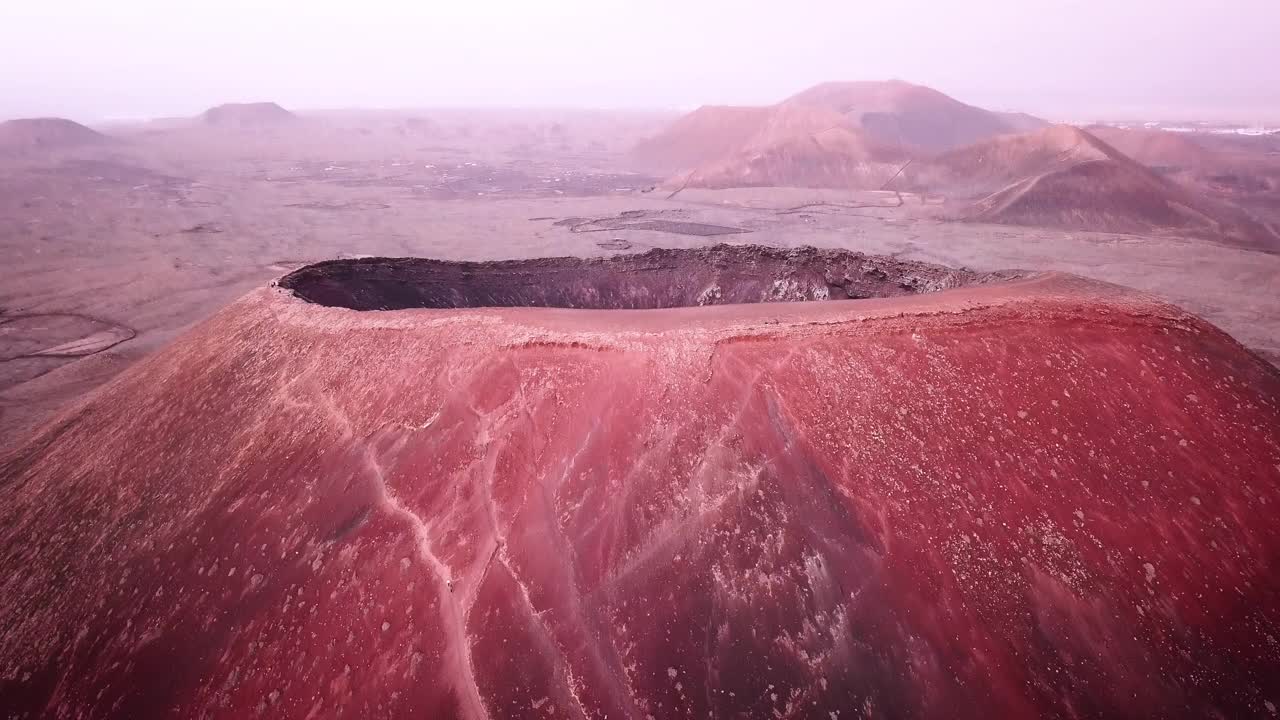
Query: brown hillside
[
  {"x": 707, "y": 134},
  {"x": 988, "y": 166},
  {"x": 899, "y": 113},
  {"x": 1119, "y": 196},
  {"x": 834, "y": 158},
  {"x": 46, "y": 133},
  {"x": 1065, "y": 177},
  {"x": 1215, "y": 165},
  {"x": 1157, "y": 148},
  {"x": 798, "y": 146}
]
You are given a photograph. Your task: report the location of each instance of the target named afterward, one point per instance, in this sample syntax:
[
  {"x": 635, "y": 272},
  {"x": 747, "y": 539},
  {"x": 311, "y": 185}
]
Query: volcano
[{"x": 681, "y": 484}]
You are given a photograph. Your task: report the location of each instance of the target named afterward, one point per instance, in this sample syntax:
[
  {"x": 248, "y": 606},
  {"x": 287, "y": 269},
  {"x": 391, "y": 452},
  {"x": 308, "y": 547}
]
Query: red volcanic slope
[
  {"x": 912, "y": 116},
  {"x": 30, "y": 133},
  {"x": 797, "y": 146},
  {"x": 248, "y": 115},
  {"x": 1042, "y": 498}
]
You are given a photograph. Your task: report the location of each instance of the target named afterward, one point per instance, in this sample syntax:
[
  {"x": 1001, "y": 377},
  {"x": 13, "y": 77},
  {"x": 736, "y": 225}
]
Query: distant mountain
[
  {"x": 708, "y": 134},
  {"x": 987, "y": 166},
  {"x": 849, "y": 135},
  {"x": 248, "y": 115},
  {"x": 1240, "y": 170},
  {"x": 917, "y": 118},
  {"x": 1065, "y": 177},
  {"x": 1023, "y": 122},
  {"x": 47, "y": 133},
  {"x": 1157, "y": 149},
  {"x": 861, "y": 135},
  {"x": 797, "y": 146},
  {"x": 780, "y": 145}
]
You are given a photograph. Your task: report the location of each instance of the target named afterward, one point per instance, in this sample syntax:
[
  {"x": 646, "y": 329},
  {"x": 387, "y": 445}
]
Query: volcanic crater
[
  {"x": 997, "y": 501},
  {"x": 661, "y": 278}
]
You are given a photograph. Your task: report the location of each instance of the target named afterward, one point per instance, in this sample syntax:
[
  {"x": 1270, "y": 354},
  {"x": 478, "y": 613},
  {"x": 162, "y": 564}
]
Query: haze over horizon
[{"x": 1067, "y": 60}]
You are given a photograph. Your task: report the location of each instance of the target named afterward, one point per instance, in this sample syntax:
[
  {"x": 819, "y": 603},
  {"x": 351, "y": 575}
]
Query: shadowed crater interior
[{"x": 720, "y": 275}]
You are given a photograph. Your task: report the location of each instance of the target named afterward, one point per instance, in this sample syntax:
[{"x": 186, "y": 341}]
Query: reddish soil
[{"x": 1025, "y": 499}]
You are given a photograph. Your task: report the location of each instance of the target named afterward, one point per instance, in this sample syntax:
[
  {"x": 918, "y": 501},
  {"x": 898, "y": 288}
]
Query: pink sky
[{"x": 1071, "y": 60}]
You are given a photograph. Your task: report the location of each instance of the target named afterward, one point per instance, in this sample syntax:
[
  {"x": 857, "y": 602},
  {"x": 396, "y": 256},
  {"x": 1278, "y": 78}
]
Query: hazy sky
[{"x": 1068, "y": 59}]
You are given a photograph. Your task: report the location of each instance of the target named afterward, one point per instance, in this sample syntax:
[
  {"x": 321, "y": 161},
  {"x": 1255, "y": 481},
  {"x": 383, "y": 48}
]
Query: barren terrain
[{"x": 113, "y": 248}]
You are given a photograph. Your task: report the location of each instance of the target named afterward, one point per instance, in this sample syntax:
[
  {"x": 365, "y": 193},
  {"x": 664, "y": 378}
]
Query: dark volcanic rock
[
  {"x": 1037, "y": 498},
  {"x": 721, "y": 275}
]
